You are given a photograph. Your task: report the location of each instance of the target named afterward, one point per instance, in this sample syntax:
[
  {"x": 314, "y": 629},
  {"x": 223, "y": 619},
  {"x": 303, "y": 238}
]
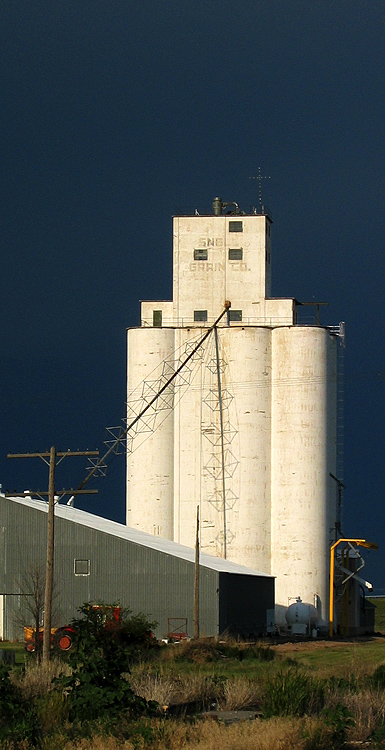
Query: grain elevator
[{"x": 247, "y": 430}]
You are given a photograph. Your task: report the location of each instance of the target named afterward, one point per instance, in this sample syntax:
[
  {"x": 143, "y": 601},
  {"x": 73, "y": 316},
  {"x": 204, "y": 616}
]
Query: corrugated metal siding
[{"x": 141, "y": 578}]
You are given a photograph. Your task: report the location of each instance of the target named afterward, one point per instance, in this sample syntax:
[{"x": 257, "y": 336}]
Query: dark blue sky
[{"x": 114, "y": 113}]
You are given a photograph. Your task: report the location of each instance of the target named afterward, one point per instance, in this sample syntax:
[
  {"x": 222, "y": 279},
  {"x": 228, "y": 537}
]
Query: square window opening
[
  {"x": 235, "y": 253},
  {"x": 200, "y": 253},
  {"x": 82, "y": 567},
  {"x": 235, "y": 226},
  {"x": 235, "y": 316},
  {"x": 200, "y": 316}
]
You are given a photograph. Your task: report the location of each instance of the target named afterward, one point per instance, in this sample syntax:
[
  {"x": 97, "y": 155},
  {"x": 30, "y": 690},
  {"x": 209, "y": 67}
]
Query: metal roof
[{"x": 121, "y": 531}]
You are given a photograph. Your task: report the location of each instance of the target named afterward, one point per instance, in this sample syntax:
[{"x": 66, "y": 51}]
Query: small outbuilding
[{"x": 98, "y": 560}]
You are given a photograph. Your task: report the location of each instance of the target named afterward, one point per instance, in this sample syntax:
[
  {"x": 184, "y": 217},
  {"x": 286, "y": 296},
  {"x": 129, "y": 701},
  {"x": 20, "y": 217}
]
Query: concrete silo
[{"x": 247, "y": 430}]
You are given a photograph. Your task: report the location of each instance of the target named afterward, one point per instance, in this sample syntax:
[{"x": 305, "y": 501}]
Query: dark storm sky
[{"x": 116, "y": 112}]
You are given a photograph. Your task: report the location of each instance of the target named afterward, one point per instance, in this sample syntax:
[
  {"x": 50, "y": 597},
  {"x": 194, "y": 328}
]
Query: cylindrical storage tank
[
  {"x": 245, "y": 367},
  {"x": 303, "y": 455},
  {"x": 302, "y": 613},
  {"x": 187, "y": 439},
  {"x": 150, "y": 465}
]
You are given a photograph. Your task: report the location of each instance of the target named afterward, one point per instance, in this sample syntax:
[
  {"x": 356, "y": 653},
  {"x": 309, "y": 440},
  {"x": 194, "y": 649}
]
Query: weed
[
  {"x": 263, "y": 653},
  {"x": 17, "y": 718},
  {"x": 52, "y": 710},
  {"x": 367, "y": 708},
  {"x": 291, "y": 662},
  {"x": 340, "y": 719},
  {"x": 377, "y": 737},
  {"x": 96, "y": 687},
  {"x": 37, "y": 679},
  {"x": 378, "y": 678},
  {"x": 292, "y": 693},
  {"x": 209, "y": 650},
  {"x": 343, "y": 684},
  {"x": 316, "y": 734},
  {"x": 239, "y": 693}
]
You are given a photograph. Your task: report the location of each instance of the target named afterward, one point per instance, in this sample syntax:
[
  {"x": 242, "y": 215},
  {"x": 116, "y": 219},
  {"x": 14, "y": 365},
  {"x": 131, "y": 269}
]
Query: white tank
[
  {"x": 187, "y": 442},
  {"x": 150, "y": 466},
  {"x": 245, "y": 364},
  {"x": 303, "y": 455},
  {"x": 247, "y": 377},
  {"x": 301, "y": 613}
]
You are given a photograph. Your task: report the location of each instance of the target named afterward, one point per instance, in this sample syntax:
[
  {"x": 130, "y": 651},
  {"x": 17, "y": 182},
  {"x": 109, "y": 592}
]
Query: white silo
[
  {"x": 150, "y": 468},
  {"x": 247, "y": 377},
  {"x": 303, "y": 454}
]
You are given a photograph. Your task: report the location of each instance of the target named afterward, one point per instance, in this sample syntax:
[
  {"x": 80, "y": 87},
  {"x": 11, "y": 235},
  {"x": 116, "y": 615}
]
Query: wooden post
[
  {"x": 50, "y": 554},
  {"x": 52, "y": 455},
  {"x": 196, "y": 581}
]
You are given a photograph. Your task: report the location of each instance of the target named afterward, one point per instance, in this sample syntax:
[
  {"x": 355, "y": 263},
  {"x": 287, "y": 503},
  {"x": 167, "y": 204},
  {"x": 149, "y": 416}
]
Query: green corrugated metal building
[{"x": 99, "y": 560}]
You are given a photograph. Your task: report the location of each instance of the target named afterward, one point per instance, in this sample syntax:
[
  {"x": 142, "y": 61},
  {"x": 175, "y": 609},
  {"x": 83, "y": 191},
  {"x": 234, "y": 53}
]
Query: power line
[{"x": 52, "y": 458}]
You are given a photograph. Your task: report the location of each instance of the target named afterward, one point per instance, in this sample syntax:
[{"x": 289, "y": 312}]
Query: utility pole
[
  {"x": 196, "y": 581},
  {"x": 50, "y": 556},
  {"x": 50, "y": 458}
]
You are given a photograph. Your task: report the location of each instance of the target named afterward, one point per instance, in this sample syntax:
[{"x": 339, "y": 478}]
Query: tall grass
[
  {"x": 167, "y": 690},
  {"x": 293, "y": 693},
  {"x": 229, "y": 694},
  {"x": 37, "y": 678},
  {"x": 275, "y": 734}
]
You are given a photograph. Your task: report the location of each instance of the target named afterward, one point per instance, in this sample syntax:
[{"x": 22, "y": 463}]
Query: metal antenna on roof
[{"x": 260, "y": 177}]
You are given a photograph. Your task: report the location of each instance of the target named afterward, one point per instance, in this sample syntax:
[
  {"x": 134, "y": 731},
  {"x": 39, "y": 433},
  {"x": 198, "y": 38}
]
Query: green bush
[
  {"x": 377, "y": 738},
  {"x": 18, "y": 719},
  {"x": 339, "y": 718},
  {"x": 377, "y": 680},
  {"x": 292, "y": 693},
  {"x": 97, "y": 688}
]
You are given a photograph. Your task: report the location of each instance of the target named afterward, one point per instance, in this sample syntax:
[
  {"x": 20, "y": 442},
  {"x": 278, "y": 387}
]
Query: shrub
[
  {"x": 102, "y": 652},
  {"x": 36, "y": 678},
  {"x": 18, "y": 720},
  {"x": 208, "y": 650},
  {"x": 378, "y": 678},
  {"x": 292, "y": 693},
  {"x": 339, "y": 718}
]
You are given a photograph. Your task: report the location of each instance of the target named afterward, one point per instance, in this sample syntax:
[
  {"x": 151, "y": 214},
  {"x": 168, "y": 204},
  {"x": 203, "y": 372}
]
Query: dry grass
[
  {"x": 368, "y": 710},
  {"x": 240, "y": 693},
  {"x": 37, "y": 678},
  {"x": 231, "y": 694},
  {"x": 275, "y": 734},
  {"x": 98, "y": 743},
  {"x": 167, "y": 689}
]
